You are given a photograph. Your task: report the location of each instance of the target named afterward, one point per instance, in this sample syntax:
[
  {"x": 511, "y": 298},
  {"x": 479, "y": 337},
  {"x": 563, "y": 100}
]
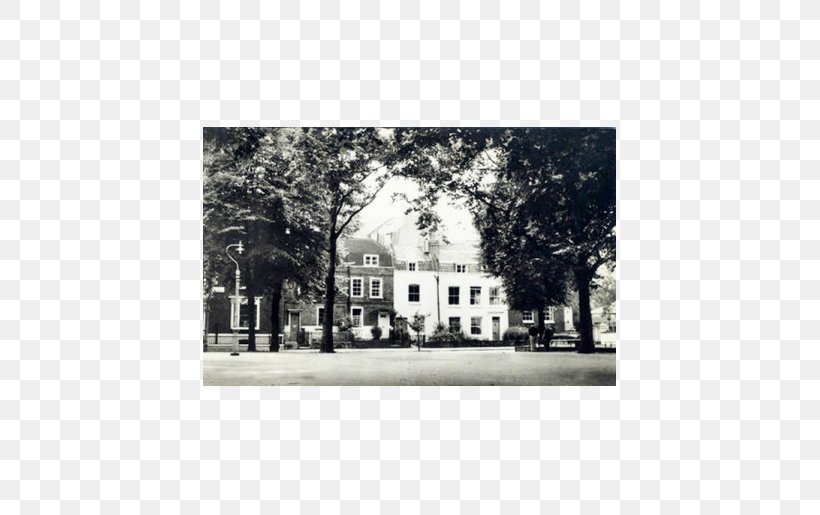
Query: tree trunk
[
  {"x": 541, "y": 323},
  {"x": 330, "y": 296},
  {"x": 251, "y": 317},
  {"x": 275, "y": 327},
  {"x": 582, "y": 280}
]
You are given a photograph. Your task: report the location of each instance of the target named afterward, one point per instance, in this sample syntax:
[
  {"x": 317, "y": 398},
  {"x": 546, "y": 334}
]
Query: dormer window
[
  {"x": 461, "y": 269},
  {"x": 371, "y": 260},
  {"x": 412, "y": 266}
]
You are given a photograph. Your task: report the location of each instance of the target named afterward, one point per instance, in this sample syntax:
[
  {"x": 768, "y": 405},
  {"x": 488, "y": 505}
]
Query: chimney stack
[{"x": 433, "y": 245}]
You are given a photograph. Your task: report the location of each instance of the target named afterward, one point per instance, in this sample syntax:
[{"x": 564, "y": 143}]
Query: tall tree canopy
[
  {"x": 347, "y": 167},
  {"x": 254, "y": 193},
  {"x": 543, "y": 201}
]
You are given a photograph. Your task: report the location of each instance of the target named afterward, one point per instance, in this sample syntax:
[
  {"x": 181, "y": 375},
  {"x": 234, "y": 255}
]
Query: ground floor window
[
  {"x": 455, "y": 324},
  {"x": 549, "y": 314},
  {"x": 475, "y": 325},
  {"x": 356, "y": 316},
  {"x": 243, "y": 313},
  {"x": 320, "y": 316},
  {"x": 527, "y": 317}
]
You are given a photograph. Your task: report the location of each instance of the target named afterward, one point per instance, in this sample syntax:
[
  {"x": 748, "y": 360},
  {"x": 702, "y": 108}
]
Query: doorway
[
  {"x": 294, "y": 323},
  {"x": 384, "y": 323},
  {"x": 496, "y": 328}
]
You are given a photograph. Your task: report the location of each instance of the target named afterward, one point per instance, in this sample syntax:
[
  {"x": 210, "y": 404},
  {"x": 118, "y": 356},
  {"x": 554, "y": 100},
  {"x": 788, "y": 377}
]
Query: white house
[{"x": 462, "y": 296}]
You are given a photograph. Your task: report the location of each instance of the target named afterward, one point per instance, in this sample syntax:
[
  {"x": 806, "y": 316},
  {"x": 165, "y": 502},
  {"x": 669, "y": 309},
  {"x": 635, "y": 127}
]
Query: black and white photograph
[
  {"x": 409, "y": 256},
  {"x": 413, "y": 258}
]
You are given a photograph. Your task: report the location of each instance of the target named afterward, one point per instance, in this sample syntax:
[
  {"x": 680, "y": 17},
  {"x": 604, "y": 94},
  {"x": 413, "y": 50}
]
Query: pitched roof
[{"x": 356, "y": 248}]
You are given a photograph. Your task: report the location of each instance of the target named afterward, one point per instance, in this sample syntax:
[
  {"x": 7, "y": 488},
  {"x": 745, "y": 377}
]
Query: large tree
[
  {"x": 348, "y": 168},
  {"x": 254, "y": 193},
  {"x": 568, "y": 179},
  {"x": 543, "y": 201}
]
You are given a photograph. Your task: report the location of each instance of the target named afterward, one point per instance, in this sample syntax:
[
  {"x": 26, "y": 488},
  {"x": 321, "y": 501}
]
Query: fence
[{"x": 227, "y": 340}]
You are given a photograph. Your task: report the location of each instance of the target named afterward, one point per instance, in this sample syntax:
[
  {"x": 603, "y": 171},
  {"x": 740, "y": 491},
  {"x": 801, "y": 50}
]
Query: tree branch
[{"x": 365, "y": 203}]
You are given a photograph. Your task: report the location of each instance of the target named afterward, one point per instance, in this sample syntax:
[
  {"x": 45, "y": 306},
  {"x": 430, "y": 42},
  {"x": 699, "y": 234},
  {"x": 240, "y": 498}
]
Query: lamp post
[{"x": 235, "y": 322}]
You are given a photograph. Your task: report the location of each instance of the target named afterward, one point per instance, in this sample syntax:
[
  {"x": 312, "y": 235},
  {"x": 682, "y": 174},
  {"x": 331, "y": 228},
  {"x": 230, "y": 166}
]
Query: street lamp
[{"x": 235, "y": 322}]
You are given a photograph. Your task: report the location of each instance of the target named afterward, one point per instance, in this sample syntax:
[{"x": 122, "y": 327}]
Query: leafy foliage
[
  {"x": 254, "y": 193},
  {"x": 543, "y": 202},
  {"x": 347, "y": 167},
  {"x": 444, "y": 334},
  {"x": 417, "y": 324},
  {"x": 604, "y": 293},
  {"x": 516, "y": 333}
]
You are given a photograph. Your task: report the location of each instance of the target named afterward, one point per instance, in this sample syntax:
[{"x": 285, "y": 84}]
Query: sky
[{"x": 457, "y": 222}]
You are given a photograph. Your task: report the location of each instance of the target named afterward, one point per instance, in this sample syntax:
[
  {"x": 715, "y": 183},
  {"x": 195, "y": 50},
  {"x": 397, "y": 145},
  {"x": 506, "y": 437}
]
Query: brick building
[
  {"x": 365, "y": 293},
  {"x": 559, "y": 317}
]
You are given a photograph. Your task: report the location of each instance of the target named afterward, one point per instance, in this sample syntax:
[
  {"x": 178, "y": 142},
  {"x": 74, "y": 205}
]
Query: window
[
  {"x": 356, "y": 316},
  {"x": 452, "y": 296},
  {"x": 371, "y": 260},
  {"x": 375, "y": 288},
  {"x": 475, "y": 295},
  {"x": 455, "y": 324},
  {"x": 413, "y": 293},
  {"x": 461, "y": 269},
  {"x": 356, "y": 287},
  {"x": 320, "y": 316},
  {"x": 243, "y": 312},
  {"x": 527, "y": 317},
  {"x": 495, "y": 298},
  {"x": 412, "y": 266},
  {"x": 475, "y": 325},
  {"x": 549, "y": 314}
]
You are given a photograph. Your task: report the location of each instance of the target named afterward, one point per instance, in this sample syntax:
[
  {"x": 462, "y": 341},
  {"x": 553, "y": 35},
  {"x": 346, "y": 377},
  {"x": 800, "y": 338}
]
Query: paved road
[{"x": 409, "y": 367}]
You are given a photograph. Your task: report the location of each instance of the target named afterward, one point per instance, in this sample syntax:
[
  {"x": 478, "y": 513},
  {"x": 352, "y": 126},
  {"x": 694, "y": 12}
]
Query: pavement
[{"x": 397, "y": 367}]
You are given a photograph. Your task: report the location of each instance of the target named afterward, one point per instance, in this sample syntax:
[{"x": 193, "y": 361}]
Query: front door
[
  {"x": 496, "y": 328},
  {"x": 384, "y": 323},
  {"x": 294, "y": 323}
]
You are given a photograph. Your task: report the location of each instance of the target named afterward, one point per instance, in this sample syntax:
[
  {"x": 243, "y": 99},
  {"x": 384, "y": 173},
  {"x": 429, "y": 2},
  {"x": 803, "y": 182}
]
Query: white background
[{"x": 101, "y": 404}]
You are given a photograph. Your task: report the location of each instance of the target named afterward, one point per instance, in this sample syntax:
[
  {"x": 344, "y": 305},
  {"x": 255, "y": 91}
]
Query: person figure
[
  {"x": 533, "y": 332},
  {"x": 549, "y": 332}
]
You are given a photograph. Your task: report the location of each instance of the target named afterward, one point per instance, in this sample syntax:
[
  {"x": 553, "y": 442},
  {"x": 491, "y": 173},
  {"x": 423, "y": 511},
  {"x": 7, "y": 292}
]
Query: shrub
[
  {"x": 376, "y": 331},
  {"x": 443, "y": 334},
  {"x": 516, "y": 333}
]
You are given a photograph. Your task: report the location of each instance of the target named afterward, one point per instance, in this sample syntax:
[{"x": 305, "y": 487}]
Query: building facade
[
  {"x": 455, "y": 293},
  {"x": 559, "y": 317},
  {"x": 221, "y": 315},
  {"x": 386, "y": 280},
  {"x": 364, "y": 294},
  {"x": 443, "y": 282}
]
